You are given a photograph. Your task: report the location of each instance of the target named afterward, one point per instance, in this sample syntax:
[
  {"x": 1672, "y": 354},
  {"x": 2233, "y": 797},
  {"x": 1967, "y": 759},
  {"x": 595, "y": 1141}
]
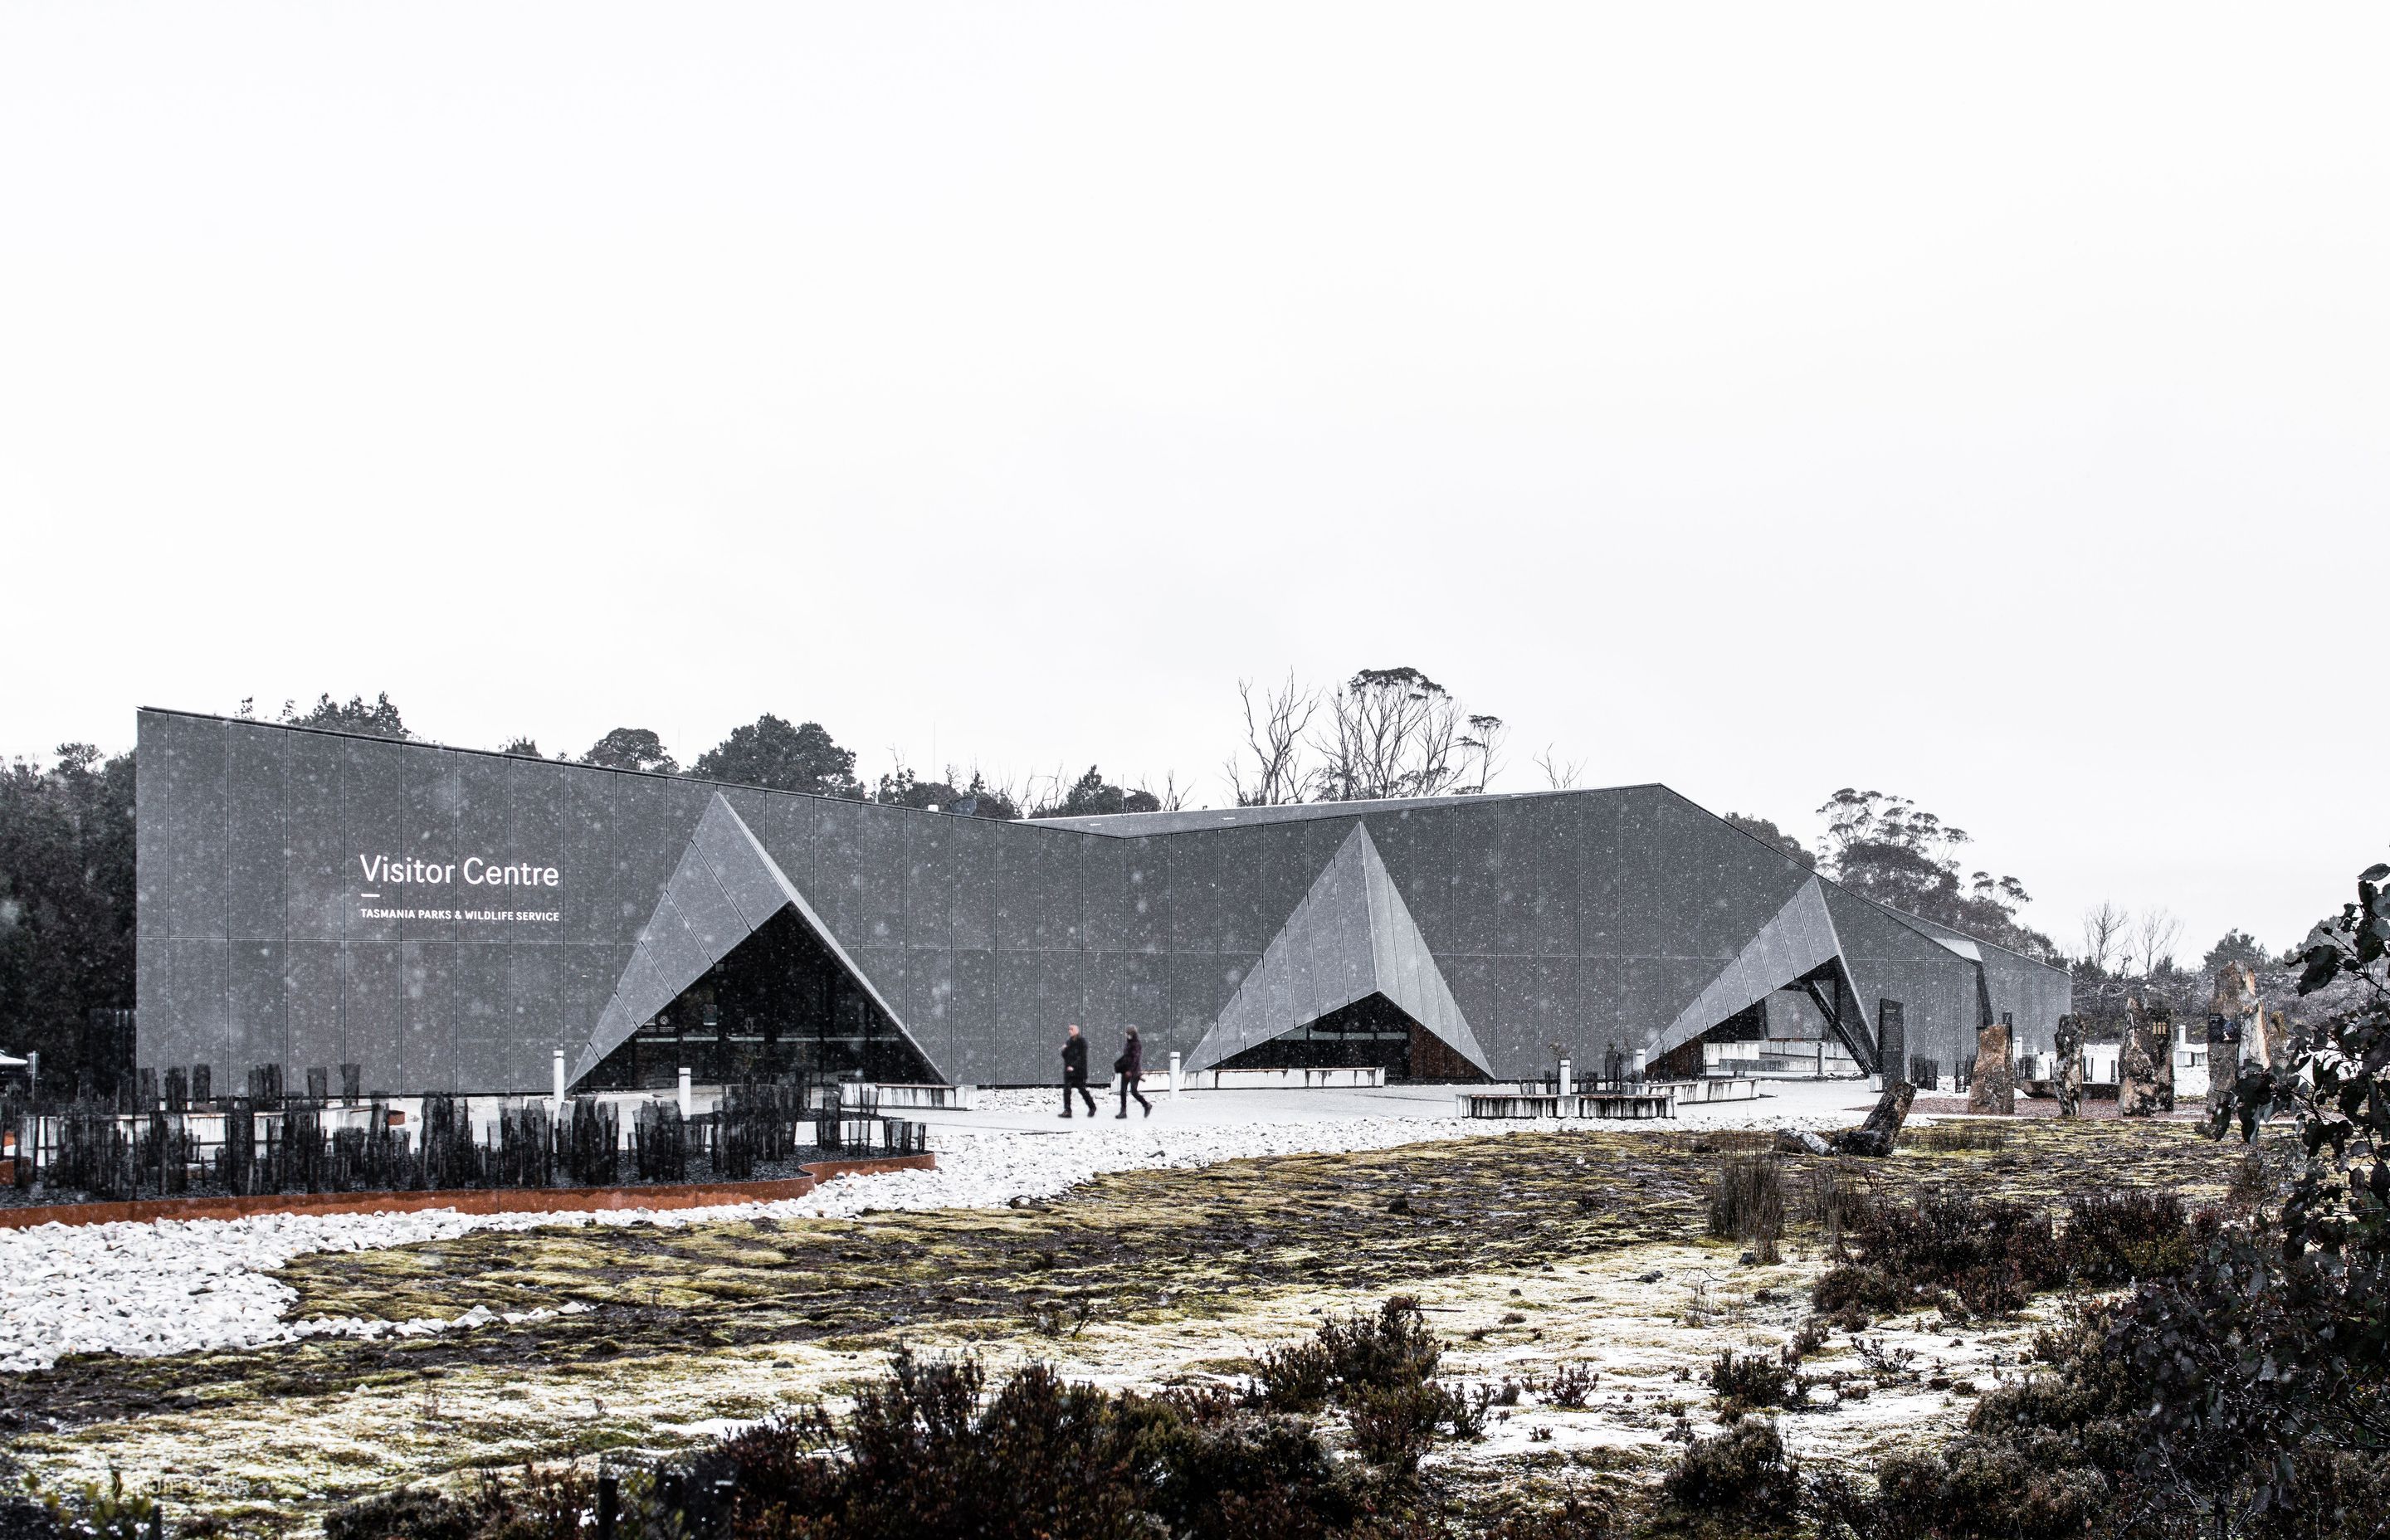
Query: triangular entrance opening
[
  {"x": 1370, "y": 1033},
  {"x": 1797, "y": 949},
  {"x": 1351, "y": 937},
  {"x": 780, "y": 1003},
  {"x": 1828, "y": 992},
  {"x": 726, "y": 892}
]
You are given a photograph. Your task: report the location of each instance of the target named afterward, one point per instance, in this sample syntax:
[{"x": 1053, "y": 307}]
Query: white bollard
[
  {"x": 684, "y": 1091},
  {"x": 1640, "y": 1057},
  {"x": 1568, "y": 1079},
  {"x": 1174, "y": 1077},
  {"x": 558, "y": 1064}
]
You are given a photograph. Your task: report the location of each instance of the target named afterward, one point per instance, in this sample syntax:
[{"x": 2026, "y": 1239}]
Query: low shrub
[
  {"x": 1987, "y": 1256},
  {"x": 1379, "y": 1367},
  {"x": 1576, "y": 1519},
  {"x": 1739, "y": 1473},
  {"x": 1853, "y": 1294},
  {"x": 2116, "y": 1237},
  {"x": 1979, "y": 1490},
  {"x": 1394, "y": 1425},
  {"x": 1467, "y": 1411},
  {"x": 1388, "y": 1350},
  {"x": 90, "y": 1512},
  {"x": 1841, "y": 1195},
  {"x": 2039, "y": 1460},
  {"x": 1295, "y": 1377},
  {"x": 1747, "y": 1202},
  {"x": 2342, "y": 1492},
  {"x": 1572, "y": 1385},
  {"x": 1753, "y": 1380},
  {"x": 545, "y": 1505},
  {"x": 929, "y": 1452}
]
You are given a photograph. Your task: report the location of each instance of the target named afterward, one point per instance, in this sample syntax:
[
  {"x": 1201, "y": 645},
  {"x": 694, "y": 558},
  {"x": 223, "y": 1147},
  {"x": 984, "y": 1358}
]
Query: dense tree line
[{"x": 66, "y": 899}]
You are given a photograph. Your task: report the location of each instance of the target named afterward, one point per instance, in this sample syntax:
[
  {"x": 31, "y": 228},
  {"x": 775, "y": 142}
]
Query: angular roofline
[
  {"x": 1131, "y": 826},
  {"x": 1143, "y": 825},
  {"x": 599, "y": 769},
  {"x": 1926, "y": 928},
  {"x": 1917, "y": 923}
]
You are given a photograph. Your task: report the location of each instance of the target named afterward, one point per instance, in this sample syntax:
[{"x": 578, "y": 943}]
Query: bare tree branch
[
  {"x": 2155, "y": 933},
  {"x": 1274, "y": 739},
  {"x": 1483, "y": 741},
  {"x": 2103, "y": 934},
  {"x": 1172, "y": 796},
  {"x": 1561, "y": 776},
  {"x": 1390, "y": 733}
]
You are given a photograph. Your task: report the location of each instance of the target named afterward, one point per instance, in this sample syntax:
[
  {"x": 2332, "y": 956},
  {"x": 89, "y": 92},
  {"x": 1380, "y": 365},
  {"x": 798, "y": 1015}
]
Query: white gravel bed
[{"x": 182, "y": 1286}]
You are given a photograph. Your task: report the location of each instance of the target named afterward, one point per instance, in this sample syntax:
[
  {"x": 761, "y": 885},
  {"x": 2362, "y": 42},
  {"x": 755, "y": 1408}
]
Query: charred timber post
[
  {"x": 2145, "y": 1062},
  {"x": 1993, "y": 1089},
  {"x": 2068, "y": 1073}
]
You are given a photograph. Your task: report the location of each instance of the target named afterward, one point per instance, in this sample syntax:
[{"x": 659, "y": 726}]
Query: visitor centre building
[{"x": 447, "y": 920}]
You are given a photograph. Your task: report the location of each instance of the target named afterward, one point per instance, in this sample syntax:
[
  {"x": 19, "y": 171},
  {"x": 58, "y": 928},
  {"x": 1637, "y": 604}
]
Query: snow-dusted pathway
[{"x": 176, "y": 1286}]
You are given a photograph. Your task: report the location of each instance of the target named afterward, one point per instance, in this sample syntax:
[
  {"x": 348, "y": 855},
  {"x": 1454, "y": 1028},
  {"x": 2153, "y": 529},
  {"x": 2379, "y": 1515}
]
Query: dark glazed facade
[{"x": 309, "y": 898}]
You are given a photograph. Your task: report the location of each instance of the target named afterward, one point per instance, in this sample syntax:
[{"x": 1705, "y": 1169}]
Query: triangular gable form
[
  {"x": 1351, "y": 937},
  {"x": 724, "y": 888},
  {"x": 1797, "y": 941}
]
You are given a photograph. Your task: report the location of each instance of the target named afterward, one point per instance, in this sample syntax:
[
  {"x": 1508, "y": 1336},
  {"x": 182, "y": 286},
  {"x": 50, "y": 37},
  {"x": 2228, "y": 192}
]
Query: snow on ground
[{"x": 182, "y": 1286}]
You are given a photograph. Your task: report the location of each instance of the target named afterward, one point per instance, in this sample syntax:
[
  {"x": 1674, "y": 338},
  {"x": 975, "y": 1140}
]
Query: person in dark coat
[
  {"x": 1130, "y": 1065},
  {"x": 1074, "y": 1071}
]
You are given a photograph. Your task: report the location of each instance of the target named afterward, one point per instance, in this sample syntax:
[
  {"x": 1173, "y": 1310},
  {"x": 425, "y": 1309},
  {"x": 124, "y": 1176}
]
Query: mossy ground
[{"x": 1528, "y": 1251}]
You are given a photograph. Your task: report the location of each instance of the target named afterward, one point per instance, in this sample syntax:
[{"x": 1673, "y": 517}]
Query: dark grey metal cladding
[
  {"x": 1892, "y": 960},
  {"x": 571, "y": 822},
  {"x": 256, "y": 874},
  {"x": 373, "y": 991},
  {"x": 427, "y": 1054},
  {"x": 861, "y": 892},
  {"x": 310, "y": 981},
  {"x": 1038, "y": 903},
  {"x": 746, "y": 885},
  {"x": 789, "y": 829},
  {"x": 489, "y": 1049},
  {"x": 2032, "y": 994},
  {"x": 1581, "y": 918},
  {"x": 180, "y": 833},
  {"x": 933, "y": 881},
  {"x": 1690, "y": 884},
  {"x": 258, "y": 1025},
  {"x": 315, "y": 885},
  {"x": 1674, "y": 894},
  {"x": 194, "y": 994},
  {"x": 485, "y": 837}
]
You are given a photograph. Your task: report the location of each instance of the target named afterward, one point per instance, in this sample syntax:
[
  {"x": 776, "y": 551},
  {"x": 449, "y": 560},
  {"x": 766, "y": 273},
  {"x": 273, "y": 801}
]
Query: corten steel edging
[{"x": 695, "y": 1194}]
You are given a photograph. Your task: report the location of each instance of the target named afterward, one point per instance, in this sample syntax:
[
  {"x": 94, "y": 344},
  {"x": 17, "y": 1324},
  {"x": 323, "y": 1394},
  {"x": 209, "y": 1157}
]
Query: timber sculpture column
[
  {"x": 2068, "y": 1074},
  {"x": 2161, "y": 1045},
  {"x": 2235, "y": 1025},
  {"x": 1993, "y": 1088},
  {"x": 2145, "y": 1062},
  {"x": 2270, "y": 1029}
]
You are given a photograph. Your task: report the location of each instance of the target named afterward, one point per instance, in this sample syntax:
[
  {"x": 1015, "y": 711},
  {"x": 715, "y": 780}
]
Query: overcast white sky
[{"x": 1987, "y": 404}]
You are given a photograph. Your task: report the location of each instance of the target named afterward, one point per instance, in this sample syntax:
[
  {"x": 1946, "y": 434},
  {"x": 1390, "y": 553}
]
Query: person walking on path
[
  {"x": 1130, "y": 1065},
  {"x": 1074, "y": 1071}
]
